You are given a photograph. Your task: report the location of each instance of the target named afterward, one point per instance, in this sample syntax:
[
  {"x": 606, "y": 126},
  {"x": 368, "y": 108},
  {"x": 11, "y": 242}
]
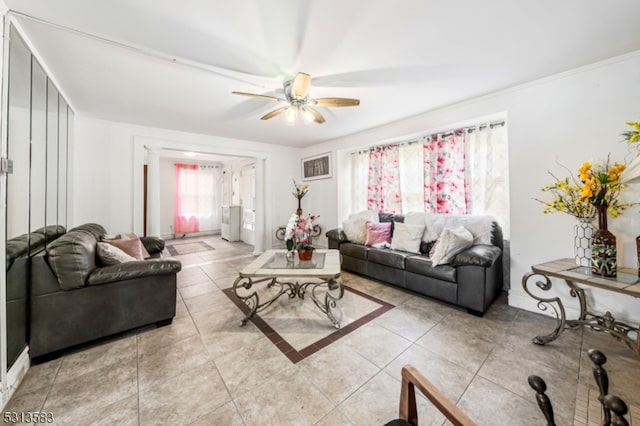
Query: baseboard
[
  {"x": 16, "y": 374},
  {"x": 189, "y": 235}
]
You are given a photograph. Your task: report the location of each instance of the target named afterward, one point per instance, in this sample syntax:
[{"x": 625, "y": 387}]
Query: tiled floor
[{"x": 205, "y": 370}]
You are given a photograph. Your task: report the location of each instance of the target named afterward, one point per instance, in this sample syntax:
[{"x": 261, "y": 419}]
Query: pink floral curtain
[
  {"x": 185, "y": 212},
  {"x": 445, "y": 187},
  {"x": 383, "y": 189}
]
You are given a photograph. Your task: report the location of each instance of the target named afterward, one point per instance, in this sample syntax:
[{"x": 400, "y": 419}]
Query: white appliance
[{"x": 230, "y": 223}]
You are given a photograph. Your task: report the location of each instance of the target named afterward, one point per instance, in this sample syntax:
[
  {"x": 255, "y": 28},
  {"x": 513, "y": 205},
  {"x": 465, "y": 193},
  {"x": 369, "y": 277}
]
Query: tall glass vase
[
  {"x": 603, "y": 247},
  {"x": 583, "y": 234}
]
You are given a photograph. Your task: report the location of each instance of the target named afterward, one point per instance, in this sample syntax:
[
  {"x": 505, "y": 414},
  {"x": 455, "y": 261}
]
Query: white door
[{"x": 247, "y": 202}]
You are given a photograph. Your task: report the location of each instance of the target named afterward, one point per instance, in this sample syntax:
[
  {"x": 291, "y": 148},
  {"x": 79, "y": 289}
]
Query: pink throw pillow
[
  {"x": 378, "y": 233},
  {"x": 133, "y": 248}
]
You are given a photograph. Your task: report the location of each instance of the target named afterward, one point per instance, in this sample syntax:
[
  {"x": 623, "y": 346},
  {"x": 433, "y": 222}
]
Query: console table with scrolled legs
[{"x": 627, "y": 282}]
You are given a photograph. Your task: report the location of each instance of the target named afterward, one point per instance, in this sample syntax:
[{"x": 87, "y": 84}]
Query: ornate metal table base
[
  {"x": 326, "y": 302},
  {"x": 606, "y": 323}
]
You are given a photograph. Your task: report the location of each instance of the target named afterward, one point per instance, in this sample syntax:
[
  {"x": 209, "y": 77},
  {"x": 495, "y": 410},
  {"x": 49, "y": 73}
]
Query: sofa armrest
[
  {"x": 477, "y": 255},
  {"x": 336, "y": 237},
  {"x": 130, "y": 270},
  {"x": 153, "y": 244}
]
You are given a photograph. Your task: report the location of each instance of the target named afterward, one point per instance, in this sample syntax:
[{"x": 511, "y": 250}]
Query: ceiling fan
[{"x": 296, "y": 93}]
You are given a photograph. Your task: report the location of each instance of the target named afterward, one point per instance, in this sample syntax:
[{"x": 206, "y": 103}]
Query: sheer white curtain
[
  {"x": 411, "y": 177},
  {"x": 198, "y": 197},
  {"x": 488, "y": 173},
  {"x": 359, "y": 178}
]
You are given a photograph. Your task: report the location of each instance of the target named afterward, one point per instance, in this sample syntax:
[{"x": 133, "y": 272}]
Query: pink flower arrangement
[{"x": 298, "y": 233}]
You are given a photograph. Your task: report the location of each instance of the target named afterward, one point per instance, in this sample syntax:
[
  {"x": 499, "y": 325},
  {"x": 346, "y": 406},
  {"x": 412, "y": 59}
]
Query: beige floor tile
[
  {"x": 242, "y": 370},
  {"x": 39, "y": 376},
  {"x": 184, "y": 398},
  {"x": 161, "y": 363},
  {"x": 448, "y": 377},
  {"x": 96, "y": 357},
  {"x": 180, "y": 328},
  {"x": 227, "y": 415},
  {"x": 335, "y": 417},
  {"x": 205, "y": 302},
  {"x": 337, "y": 371},
  {"x": 192, "y": 275},
  {"x": 465, "y": 349},
  {"x": 489, "y": 404},
  {"x": 82, "y": 395},
  {"x": 197, "y": 289},
  {"x": 511, "y": 371},
  {"x": 286, "y": 399},
  {"x": 406, "y": 323},
  {"x": 376, "y": 344},
  {"x": 121, "y": 413},
  {"x": 375, "y": 403}
]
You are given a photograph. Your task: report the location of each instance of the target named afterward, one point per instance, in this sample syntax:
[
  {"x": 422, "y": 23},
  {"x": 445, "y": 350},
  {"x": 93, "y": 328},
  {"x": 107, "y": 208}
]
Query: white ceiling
[{"x": 174, "y": 64}]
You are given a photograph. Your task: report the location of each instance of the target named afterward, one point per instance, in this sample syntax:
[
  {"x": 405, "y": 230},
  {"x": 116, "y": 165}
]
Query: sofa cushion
[
  {"x": 407, "y": 237},
  {"x": 450, "y": 243},
  {"x": 478, "y": 255},
  {"x": 354, "y": 250},
  {"x": 387, "y": 257},
  {"x": 72, "y": 257},
  {"x": 378, "y": 233},
  {"x": 423, "y": 266}
]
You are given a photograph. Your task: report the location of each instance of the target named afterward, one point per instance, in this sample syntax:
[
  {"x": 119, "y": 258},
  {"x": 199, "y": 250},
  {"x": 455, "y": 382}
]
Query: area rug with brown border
[
  {"x": 188, "y": 248},
  {"x": 299, "y": 329}
]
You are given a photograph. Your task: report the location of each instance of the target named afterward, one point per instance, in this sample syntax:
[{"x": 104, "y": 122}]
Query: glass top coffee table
[{"x": 318, "y": 278}]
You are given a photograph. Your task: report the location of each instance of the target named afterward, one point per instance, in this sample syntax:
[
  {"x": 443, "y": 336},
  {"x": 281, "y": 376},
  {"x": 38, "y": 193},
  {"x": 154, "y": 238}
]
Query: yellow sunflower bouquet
[
  {"x": 566, "y": 198},
  {"x": 602, "y": 186}
]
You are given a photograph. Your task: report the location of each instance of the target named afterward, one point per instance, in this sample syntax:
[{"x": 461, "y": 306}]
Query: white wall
[
  {"x": 104, "y": 174},
  {"x": 570, "y": 118}
]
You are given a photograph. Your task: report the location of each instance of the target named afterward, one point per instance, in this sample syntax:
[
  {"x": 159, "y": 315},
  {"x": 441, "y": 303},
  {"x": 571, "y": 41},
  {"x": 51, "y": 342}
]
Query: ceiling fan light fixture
[
  {"x": 291, "y": 114},
  {"x": 300, "y": 85},
  {"x": 307, "y": 116}
]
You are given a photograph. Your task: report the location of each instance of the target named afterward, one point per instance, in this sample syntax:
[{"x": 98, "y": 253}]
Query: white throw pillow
[
  {"x": 450, "y": 243},
  {"x": 480, "y": 226},
  {"x": 355, "y": 230},
  {"x": 112, "y": 255},
  {"x": 369, "y": 215},
  {"x": 407, "y": 237}
]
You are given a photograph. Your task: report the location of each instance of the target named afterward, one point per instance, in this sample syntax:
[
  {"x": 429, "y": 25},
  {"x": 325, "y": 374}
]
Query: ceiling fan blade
[
  {"x": 273, "y": 113},
  {"x": 316, "y": 115},
  {"x": 300, "y": 86},
  {"x": 255, "y": 95},
  {"x": 336, "y": 102}
]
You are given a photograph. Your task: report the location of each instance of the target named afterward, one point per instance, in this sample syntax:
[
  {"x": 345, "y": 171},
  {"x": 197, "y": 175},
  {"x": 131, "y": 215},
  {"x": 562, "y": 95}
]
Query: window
[
  {"x": 197, "y": 198},
  {"x": 463, "y": 171}
]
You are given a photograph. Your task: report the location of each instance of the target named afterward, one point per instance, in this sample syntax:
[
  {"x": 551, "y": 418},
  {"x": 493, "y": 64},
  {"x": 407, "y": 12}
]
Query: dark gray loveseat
[
  {"x": 74, "y": 299},
  {"x": 472, "y": 280}
]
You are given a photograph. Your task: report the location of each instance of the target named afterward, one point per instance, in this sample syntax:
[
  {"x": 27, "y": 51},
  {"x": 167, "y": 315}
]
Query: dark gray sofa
[
  {"x": 82, "y": 300},
  {"x": 19, "y": 252},
  {"x": 472, "y": 280}
]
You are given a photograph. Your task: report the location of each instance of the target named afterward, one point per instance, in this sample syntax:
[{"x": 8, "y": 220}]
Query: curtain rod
[{"x": 468, "y": 129}]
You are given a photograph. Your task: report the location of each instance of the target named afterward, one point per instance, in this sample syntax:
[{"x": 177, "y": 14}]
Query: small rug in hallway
[
  {"x": 188, "y": 248},
  {"x": 299, "y": 329}
]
